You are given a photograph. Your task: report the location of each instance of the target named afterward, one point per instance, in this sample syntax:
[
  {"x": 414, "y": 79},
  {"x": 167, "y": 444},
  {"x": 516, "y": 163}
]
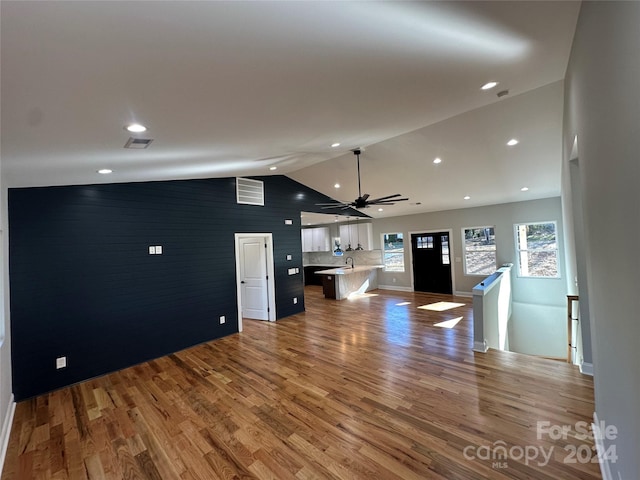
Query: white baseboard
[
  {"x": 463, "y": 294},
  {"x": 605, "y": 469},
  {"x": 586, "y": 368},
  {"x": 6, "y": 431},
  {"x": 393, "y": 287},
  {"x": 480, "y": 347}
]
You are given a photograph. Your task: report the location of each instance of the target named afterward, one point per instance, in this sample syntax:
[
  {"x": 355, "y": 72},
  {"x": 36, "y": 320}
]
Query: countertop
[{"x": 348, "y": 270}]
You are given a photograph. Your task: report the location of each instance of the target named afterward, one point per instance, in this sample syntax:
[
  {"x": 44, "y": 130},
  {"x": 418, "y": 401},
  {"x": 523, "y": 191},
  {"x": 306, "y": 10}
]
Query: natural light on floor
[
  {"x": 356, "y": 295},
  {"x": 448, "y": 323},
  {"x": 441, "y": 306},
  {"x": 402, "y": 304}
]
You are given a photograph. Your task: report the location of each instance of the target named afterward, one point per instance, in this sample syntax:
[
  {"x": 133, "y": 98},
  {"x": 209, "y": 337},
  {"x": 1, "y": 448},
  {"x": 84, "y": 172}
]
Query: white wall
[
  {"x": 503, "y": 217},
  {"x": 6, "y": 394},
  {"x": 602, "y": 109}
]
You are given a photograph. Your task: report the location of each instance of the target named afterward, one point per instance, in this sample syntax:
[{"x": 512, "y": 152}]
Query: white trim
[
  {"x": 6, "y": 431},
  {"x": 586, "y": 368},
  {"x": 451, "y": 256},
  {"x": 463, "y": 294},
  {"x": 480, "y": 347},
  {"x": 271, "y": 286},
  {"x": 393, "y": 287},
  {"x": 605, "y": 469}
]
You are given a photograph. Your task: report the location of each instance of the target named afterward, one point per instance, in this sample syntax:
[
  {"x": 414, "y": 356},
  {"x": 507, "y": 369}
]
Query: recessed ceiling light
[
  {"x": 512, "y": 142},
  {"x": 467, "y": 197},
  {"x": 273, "y": 168},
  {"x": 337, "y": 185},
  {"x": 380, "y": 209},
  {"x": 437, "y": 160},
  {"x": 334, "y": 145},
  {"x": 136, "y": 128},
  {"x": 489, "y": 85},
  {"x": 524, "y": 189},
  {"x": 105, "y": 171}
]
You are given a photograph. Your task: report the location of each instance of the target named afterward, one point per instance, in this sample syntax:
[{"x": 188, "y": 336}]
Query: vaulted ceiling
[{"x": 235, "y": 88}]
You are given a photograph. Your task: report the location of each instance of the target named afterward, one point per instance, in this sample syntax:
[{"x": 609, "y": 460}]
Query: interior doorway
[
  {"x": 431, "y": 262},
  {"x": 255, "y": 277}
]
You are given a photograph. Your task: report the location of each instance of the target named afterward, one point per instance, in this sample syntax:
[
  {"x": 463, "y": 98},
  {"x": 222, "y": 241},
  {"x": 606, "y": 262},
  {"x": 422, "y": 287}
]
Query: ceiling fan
[{"x": 363, "y": 200}]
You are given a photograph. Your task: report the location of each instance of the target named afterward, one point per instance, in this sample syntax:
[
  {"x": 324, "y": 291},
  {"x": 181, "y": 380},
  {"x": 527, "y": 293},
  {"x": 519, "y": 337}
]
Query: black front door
[{"x": 431, "y": 262}]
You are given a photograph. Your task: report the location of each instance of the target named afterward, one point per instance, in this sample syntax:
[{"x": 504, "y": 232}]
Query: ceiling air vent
[
  {"x": 138, "y": 142},
  {"x": 249, "y": 192}
]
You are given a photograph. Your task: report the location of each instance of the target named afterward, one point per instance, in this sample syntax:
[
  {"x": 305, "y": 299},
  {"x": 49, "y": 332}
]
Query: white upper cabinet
[
  {"x": 315, "y": 239},
  {"x": 355, "y": 233}
]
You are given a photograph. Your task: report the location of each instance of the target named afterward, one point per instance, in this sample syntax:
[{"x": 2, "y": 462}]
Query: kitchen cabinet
[
  {"x": 355, "y": 233},
  {"x": 315, "y": 239}
]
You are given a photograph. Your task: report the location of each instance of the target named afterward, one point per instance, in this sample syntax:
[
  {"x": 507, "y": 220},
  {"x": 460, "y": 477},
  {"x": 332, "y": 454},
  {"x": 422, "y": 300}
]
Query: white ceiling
[{"x": 232, "y": 88}]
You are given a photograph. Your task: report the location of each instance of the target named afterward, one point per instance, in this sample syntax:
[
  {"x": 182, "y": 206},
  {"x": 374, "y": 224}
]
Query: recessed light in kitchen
[
  {"x": 437, "y": 160},
  {"x": 105, "y": 171},
  {"x": 273, "y": 168},
  {"x": 381, "y": 209},
  {"x": 524, "y": 189},
  {"x": 488, "y": 85},
  {"x": 467, "y": 197},
  {"x": 334, "y": 145},
  {"x": 337, "y": 185},
  {"x": 136, "y": 128},
  {"x": 513, "y": 142}
]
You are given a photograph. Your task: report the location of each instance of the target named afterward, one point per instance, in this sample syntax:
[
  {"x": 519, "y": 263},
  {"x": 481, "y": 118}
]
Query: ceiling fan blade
[
  {"x": 337, "y": 205},
  {"x": 388, "y": 202},
  {"x": 331, "y": 203},
  {"x": 385, "y": 198}
]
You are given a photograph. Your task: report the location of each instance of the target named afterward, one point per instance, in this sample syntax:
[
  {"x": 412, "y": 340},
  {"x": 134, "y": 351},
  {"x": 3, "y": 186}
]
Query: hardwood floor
[{"x": 368, "y": 388}]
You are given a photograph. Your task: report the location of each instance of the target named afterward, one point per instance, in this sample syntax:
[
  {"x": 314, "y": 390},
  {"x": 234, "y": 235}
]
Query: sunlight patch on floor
[
  {"x": 448, "y": 323},
  {"x": 356, "y": 295},
  {"x": 402, "y": 304},
  {"x": 441, "y": 306}
]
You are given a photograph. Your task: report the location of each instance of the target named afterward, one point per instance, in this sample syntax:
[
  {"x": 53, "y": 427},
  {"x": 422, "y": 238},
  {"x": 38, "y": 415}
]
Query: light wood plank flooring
[{"x": 368, "y": 388}]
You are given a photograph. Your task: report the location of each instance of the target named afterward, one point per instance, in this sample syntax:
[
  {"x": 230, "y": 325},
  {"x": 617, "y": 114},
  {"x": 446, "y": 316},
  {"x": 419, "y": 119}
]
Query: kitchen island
[{"x": 339, "y": 283}]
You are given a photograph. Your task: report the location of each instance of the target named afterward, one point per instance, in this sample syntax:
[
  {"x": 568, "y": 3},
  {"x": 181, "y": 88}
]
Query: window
[
  {"x": 393, "y": 252},
  {"x": 537, "y": 249},
  {"x": 445, "y": 249},
  {"x": 479, "y": 250},
  {"x": 424, "y": 242}
]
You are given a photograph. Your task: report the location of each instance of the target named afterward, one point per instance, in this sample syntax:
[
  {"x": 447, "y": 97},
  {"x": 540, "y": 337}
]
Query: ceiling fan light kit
[{"x": 363, "y": 200}]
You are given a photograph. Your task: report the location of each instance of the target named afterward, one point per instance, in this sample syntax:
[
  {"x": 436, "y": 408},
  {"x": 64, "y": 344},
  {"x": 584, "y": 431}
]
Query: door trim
[
  {"x": 271, "y": 287},
  {"x": 451, "y": 255}
]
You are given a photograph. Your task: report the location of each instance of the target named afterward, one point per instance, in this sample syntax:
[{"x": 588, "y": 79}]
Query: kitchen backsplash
[{"x": 360, "y": 257}]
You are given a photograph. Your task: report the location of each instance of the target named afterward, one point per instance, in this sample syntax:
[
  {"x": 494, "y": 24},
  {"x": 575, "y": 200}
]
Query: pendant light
[
  {"x": 349, "y": 249},
  {"x": 359, "y": 247}
]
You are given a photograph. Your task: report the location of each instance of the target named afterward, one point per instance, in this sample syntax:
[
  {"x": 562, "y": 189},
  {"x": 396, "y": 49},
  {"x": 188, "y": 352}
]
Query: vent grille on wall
[
  {"x": 138, "y": 142},
  {"x": 250, "y": 192}
]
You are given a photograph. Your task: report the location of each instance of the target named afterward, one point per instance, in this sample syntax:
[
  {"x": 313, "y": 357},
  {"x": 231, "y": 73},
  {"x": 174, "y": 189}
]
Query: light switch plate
[
  {"x": 61, "y": 362},
  {"x": 158, "y": 249},
  {"x": 152, "y": 250},
  {"x": 289, "y": 257},
  {"x": 222, "y": 319},
  {"x": 288, "y": 222}
]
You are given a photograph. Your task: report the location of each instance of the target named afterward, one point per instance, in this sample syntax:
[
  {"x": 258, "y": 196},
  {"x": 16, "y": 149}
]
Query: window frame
[
  {"x": 382, "y": 241},
  {"x": 518, "y": 250},
  {"x": 464, "y": 251}
]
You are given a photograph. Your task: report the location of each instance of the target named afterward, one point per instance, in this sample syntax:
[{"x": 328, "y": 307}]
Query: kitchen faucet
[{"x": 347, "y": 261}]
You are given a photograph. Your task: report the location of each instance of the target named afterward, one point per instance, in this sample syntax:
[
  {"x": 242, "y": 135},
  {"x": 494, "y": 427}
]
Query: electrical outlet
[
  {"x": 295, "y": 300},
  {"x": 61, "y": 362},
  {"x": 222, "y": 319}
]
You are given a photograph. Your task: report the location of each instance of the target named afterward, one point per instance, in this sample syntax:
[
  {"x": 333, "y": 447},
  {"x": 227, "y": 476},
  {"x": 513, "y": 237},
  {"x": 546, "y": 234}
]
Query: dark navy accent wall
[{"x": 83, "y": 284}]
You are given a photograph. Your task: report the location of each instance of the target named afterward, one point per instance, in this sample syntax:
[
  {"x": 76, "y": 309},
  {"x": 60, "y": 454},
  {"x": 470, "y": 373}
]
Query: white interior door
[{"x": 253, "y": 278}]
